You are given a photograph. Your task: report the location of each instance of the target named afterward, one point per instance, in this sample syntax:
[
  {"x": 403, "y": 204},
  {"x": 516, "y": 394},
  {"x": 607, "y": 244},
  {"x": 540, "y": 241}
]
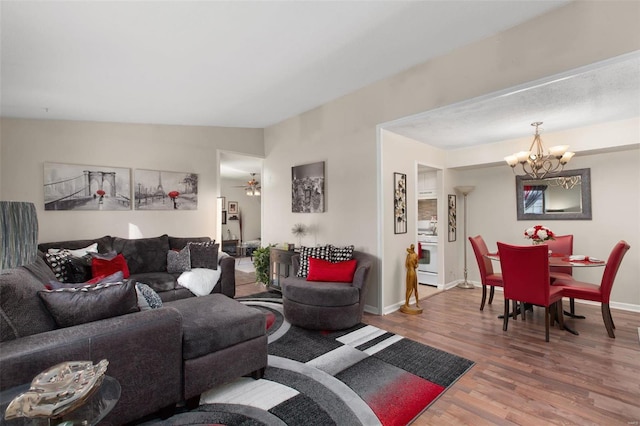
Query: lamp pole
[{"x": 465, "y": 190}]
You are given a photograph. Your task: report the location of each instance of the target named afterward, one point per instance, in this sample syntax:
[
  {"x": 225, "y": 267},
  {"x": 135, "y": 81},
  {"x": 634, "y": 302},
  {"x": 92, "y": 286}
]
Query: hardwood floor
[{"x": 518, "y": 378}]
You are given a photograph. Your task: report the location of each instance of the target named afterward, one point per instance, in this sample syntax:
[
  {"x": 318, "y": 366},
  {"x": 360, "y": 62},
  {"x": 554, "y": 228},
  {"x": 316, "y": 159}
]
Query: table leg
[{"x": 569, "y": 314}]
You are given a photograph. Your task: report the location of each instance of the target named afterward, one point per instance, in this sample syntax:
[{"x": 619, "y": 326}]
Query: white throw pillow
[
  {"x": 200, "y": 281},
  {"x": 93, "y": 248}
]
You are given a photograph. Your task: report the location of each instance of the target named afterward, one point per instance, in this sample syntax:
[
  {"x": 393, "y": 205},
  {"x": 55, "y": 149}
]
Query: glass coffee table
[{"x": 90, "y": 413}]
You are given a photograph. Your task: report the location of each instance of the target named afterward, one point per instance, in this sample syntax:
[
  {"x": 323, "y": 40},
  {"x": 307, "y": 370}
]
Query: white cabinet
[{"x": 427, "y": 183}]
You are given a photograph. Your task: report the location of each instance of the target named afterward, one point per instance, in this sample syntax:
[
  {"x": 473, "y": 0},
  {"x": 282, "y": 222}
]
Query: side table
[
  {"x": 279, "y": 266},
  {"x": 90, "y": 413}
]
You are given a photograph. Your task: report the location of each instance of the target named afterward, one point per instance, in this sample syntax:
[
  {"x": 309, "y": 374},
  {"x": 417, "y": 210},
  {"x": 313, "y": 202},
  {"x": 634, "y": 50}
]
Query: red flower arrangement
[{"x": 539, "y": 234}]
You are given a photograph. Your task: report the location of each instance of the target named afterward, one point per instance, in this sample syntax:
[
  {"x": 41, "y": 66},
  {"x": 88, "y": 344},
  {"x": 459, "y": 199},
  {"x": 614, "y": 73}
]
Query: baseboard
[{"x": 392, "y": 308}]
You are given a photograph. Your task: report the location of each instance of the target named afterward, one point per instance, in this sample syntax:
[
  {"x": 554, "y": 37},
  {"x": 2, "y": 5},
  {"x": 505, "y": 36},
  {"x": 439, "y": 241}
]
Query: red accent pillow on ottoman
[
  {"x": 322, "y": 270},
  {"x": 103, "y": 267}
]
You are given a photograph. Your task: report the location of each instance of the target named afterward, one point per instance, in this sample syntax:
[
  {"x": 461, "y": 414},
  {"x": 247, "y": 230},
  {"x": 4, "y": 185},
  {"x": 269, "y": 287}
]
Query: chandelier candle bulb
[
  {"x": 511, "y": 160},
  {"x": 566, "y": 157},
  {"x": 558, "y": 151}
]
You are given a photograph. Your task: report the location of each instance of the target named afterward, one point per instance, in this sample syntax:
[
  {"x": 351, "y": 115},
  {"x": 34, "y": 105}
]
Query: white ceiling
[
  {"x": 256, "y": 63},
  {"x": 223, "y": 63}
]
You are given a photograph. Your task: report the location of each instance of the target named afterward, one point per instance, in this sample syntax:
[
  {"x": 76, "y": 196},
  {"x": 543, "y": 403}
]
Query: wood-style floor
[{"x": 518, "y": 378}]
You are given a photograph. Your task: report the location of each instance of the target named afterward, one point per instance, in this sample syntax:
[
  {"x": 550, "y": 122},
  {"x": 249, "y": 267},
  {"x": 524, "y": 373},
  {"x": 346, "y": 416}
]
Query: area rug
[{"x": 360, "y": 376}]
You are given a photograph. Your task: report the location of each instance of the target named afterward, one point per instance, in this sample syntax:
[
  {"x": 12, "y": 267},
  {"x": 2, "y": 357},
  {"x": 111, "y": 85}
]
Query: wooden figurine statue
[{"x": 411, "y": 263}]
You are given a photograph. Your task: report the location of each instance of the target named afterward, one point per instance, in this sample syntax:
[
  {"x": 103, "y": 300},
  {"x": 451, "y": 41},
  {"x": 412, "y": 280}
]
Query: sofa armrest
[
  {"x": 227, "y": 282},
  {"x": 144, "y": 350}
]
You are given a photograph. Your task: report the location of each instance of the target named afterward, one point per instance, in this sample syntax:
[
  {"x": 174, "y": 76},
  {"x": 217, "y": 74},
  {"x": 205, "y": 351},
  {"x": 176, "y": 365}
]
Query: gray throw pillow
[
  {"x": 116, "y": 277},
  {"x": 147, "y": 298},
  {"x": 204, "y": 255},
  {"x": 178, "y": 261},
  {"x": 73, "y": 306}
]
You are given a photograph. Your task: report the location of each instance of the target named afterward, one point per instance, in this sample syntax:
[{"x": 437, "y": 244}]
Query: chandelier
[
  {"x": 253, "y": 187},
  {"x": 535, "y": 163}
]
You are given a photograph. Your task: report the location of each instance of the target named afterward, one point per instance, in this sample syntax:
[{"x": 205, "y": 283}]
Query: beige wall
[
  {"x": 343, "y": 132},
  {"x": 27, "y": 144}
]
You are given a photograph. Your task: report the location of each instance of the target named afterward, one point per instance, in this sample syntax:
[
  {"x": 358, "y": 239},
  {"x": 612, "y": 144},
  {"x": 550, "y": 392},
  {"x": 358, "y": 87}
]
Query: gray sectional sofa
[{"x": 161, "y": 357}]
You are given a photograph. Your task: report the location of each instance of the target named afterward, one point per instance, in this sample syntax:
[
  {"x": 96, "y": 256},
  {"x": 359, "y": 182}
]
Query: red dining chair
[
  {"x": 487, "y": 276},
  {"x": 598, "y": 293},
  {"x": 562, "y": 244},
  {"x": 525, "y": 272}
]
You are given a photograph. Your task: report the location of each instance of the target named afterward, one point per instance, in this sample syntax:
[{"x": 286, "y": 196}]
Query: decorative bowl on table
[{"x": 58, "y": 390}]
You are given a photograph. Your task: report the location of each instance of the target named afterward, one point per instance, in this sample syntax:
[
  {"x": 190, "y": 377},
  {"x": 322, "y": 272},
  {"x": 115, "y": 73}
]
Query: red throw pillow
[
  {"x": 103, "y": 267},
  {"x": 322, "y": 270}
]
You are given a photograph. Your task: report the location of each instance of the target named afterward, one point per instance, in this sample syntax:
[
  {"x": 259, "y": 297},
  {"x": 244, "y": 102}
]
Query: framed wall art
[
  {"x": 233, "y": 207},
  {"x": 224, "y": 217},
  {"x": 76, "y": 187},
  {"x": 224, "y": 203},
  {"x": 159, "y": 190},
  {"x": 400, "y": 203},
  {"x": 307, "y": 188},
  {"x": 451, "y": 222}
]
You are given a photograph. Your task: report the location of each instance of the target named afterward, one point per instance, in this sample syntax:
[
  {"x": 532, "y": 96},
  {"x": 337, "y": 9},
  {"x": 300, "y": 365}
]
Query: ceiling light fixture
[
  {"x": 253, "y": 187},
  {"x": 535, "y": 163}
]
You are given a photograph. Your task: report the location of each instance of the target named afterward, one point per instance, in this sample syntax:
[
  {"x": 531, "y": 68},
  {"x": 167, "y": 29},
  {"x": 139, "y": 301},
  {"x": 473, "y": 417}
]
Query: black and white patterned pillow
[
  {"x": 340, "y": 254},
  {"x": 147, "y": 297},
  {"x": 320, "y": 252},
  {"x": 59, "y": 263},
  {"x": 178, "y": 261}
]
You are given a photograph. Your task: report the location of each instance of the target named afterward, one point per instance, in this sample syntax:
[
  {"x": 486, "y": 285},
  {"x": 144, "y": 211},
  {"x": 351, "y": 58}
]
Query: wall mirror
[{"x": 565, "y": 196}]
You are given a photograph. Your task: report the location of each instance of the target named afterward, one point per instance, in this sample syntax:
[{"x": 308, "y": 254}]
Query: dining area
[{"x": 540, "y": 275}]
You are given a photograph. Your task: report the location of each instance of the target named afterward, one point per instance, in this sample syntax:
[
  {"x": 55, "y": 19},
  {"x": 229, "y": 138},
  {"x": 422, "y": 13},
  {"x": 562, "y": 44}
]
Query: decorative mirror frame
[{"x": 585, "y": 175}]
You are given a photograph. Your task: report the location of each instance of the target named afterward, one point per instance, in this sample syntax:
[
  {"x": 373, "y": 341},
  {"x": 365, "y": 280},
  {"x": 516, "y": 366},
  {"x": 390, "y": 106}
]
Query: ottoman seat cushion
[
  {"x": 321, "y": 293},
  {"x": 214, "y": 322}
]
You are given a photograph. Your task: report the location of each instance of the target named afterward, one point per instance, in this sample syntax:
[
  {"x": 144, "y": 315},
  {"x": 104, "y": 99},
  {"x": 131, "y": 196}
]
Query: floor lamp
[
  {"x": 465, "y": 190},
  {"x": 18, "y": 234}
]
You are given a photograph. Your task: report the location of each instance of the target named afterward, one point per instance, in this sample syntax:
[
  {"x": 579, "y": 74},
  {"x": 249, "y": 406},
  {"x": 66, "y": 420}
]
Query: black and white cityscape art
[
  {"x": 307, "y": 188},
  {"x": 160, "y": 190},
  {"x": 77, "y": 187}
]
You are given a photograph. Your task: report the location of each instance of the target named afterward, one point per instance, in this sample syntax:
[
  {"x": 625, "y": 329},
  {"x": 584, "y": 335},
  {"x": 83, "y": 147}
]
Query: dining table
[{"x": 564, "y": 260}]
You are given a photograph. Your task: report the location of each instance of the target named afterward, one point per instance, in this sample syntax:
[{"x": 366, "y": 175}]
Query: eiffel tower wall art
[{"x": 160, "y": 190}]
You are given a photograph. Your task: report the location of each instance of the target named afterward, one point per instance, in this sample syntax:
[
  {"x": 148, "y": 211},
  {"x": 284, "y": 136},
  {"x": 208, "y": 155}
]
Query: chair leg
[
  {"x": 572, "y": 305},
  {"x": 484, "y": 297},
  {"x": 608, "y": 321},
  {"x": 515, "y": 309},
  {"x": 560, "y": 314},
  {"x": 493, "y": 289},
  {"x": 505, "y": 321},
  {"x": 547, "y": 318},
  {"x": 523, "y": 311}
]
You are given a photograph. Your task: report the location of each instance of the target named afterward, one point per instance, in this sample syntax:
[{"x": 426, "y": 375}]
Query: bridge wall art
[{"x": 76, "y": 187}]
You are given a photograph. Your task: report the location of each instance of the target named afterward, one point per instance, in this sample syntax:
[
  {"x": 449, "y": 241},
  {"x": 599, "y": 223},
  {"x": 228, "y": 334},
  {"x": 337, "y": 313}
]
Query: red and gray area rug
[{"x": 361, "y": 376}]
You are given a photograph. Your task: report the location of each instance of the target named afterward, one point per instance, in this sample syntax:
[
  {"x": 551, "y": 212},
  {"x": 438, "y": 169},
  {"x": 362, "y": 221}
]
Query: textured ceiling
[{"x": 600, "y": 92}]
